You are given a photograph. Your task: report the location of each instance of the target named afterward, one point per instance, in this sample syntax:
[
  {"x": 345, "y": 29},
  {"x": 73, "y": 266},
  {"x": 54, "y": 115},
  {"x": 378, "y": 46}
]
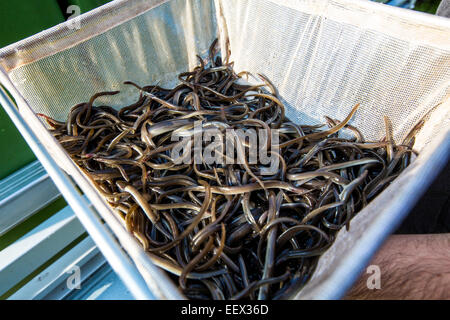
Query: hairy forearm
[{"x": 411, "y": 267}]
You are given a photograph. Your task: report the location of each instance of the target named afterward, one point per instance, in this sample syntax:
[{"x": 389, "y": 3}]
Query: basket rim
[{"x": 433, "y": 30}]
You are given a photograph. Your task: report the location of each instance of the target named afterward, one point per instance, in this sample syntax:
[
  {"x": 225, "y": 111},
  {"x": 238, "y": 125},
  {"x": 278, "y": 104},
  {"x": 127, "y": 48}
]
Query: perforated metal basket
[{"x": 324, "y": 56}]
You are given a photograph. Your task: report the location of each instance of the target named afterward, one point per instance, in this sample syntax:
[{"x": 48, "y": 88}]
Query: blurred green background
[
  {"x": 429, "y": 6},
  {"x": 19, "y": 20}
]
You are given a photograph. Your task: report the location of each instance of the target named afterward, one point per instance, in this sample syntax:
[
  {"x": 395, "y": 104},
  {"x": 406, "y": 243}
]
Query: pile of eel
[{"x": 227, "y": 231}]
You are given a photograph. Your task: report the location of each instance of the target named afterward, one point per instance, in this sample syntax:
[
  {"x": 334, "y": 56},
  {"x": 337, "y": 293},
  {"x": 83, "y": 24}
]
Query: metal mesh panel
[
  {"x": 324, "y": 56},
  {"x": 152, "y": 47},
  {"x": 323, "y": 67}
]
